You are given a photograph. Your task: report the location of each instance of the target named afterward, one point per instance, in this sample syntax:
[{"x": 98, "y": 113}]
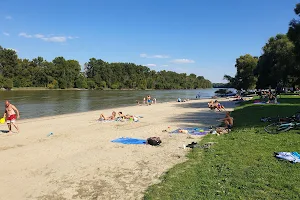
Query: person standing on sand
[
  {"x": 149, "y": 100},
  {"x": 10, "y": 114}
]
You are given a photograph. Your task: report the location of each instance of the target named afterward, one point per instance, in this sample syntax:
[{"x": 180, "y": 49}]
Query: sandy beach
[{"x": 79, "y": 161}]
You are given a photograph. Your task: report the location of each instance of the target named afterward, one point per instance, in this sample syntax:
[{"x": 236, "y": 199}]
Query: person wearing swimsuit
[{"x": 11, "y": 114}]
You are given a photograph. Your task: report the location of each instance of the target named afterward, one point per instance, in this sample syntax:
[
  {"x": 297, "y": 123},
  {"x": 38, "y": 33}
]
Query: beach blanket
[
  {"x": 194, "y": 131},
  {"x": 289, "y": 156},
  {"x": 128, "y": 140},
  {"x": 265, "y": 103}
]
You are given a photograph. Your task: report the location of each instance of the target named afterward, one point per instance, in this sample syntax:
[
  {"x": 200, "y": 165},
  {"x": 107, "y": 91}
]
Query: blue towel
[
  {"x": 194, "y": 131},
  {"x": 129, "y": 141}
]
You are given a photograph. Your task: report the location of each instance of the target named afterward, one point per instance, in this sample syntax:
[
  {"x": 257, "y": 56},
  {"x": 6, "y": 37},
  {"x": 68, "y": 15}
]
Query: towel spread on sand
[
  {"x": 290, "y": 156},
  {"x": 194, "y": 131},
  {"x": 128, "y": 140}
]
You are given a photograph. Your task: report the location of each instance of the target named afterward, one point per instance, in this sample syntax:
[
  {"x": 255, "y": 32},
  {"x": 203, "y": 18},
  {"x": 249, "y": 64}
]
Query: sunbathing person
[
  {"x": 112, "y": 117},
  {"x": 125, "y": 116},
  {"x": 218, "y": 106},
  {"x": 211, "y": 104}
]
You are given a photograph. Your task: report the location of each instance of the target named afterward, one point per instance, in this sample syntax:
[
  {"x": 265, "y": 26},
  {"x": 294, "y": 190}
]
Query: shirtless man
[
  {"x": 11, "y": 113},
  {"x": 228, "y": 121}
]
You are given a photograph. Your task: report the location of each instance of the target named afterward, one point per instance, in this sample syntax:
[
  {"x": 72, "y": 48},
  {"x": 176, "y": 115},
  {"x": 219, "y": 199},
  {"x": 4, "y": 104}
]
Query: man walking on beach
[{"x": 11, "y": 114}]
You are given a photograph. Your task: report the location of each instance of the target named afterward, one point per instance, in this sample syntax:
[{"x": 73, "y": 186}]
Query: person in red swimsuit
[{"x": 11, "y": 114}]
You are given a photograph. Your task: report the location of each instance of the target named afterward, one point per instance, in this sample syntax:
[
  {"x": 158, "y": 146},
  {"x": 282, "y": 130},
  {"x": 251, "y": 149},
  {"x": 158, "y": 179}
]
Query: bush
[
  {"x": 91, "y": 84},
  {"x": 53, "y": 85},
  {"x": 8, "y": 84}
]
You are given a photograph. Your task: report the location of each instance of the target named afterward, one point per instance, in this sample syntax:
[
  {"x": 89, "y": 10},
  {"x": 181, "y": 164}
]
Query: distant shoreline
[{"x": 82, "y": 89}]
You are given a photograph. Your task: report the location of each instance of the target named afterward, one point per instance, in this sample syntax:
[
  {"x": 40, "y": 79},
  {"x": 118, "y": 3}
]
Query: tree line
[
  {"x": 97, "y": 74},
  {"x": 278, "y": 66}
]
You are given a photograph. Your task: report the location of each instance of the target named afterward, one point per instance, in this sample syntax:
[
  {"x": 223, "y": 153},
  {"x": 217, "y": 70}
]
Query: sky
[{"x": 204, "y": 37}]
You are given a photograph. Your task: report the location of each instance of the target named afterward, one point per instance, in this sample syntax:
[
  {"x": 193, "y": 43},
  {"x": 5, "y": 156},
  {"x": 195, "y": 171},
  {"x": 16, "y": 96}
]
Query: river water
[{"x": 37, "y": 103}]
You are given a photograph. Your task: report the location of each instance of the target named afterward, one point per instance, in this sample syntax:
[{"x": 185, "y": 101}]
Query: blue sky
[{"x": 191, "y": 36}]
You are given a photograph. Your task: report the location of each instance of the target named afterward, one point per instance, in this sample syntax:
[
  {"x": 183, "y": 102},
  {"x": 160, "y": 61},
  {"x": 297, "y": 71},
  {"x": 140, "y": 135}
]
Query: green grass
[{"x": 241, "y": 164}]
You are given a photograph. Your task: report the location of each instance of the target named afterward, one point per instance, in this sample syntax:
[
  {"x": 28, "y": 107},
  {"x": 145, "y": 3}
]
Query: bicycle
[
  {"x": 279, "y": 127},
  {"x": 293, "y": 118}
]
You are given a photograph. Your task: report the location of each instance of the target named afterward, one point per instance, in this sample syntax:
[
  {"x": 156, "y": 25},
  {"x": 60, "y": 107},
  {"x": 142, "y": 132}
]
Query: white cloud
[
  {"x": 182, "y": 61},
  {"x": 49, "y": 38},
  {"x": 165, "y": 65},
  {"x": 143, "y": 55},
  {"x": 151, "y": 65},
  {"x": 55, "y": 39},
  {"x": 25, "y": 35},
  {"x": 13, "y": 49},
  {"x": 6, "y": 34},
  {"x": 8, "y": 17},
  {"x": 39, "y": 36},
  {"x": 72, "y": 37}
]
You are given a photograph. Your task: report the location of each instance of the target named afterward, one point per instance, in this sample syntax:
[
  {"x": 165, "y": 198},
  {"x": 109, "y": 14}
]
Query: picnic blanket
[
  {"x": 128, "y": 140},
  {"x": 289, "y": 156},
  {"x": 194, "y": 131}
]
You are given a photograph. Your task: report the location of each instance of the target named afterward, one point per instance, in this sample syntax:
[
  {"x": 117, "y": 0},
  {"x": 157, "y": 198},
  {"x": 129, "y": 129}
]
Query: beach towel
[
  {"x": 105, "y": 121},
  {"x": 128, "y": 140},
  {"x": 289, "y": 156},
  {"x": 265, "y": 103},
  {"x": 194, "y": 131}
]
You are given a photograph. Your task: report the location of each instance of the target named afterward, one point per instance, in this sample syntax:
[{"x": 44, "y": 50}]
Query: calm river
[{"x": 34, "y": 104}]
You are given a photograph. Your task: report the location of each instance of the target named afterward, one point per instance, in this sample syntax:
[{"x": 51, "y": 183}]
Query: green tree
[
  {"x": 244, "y": 78},
  {"x": 277, "y": 63}
]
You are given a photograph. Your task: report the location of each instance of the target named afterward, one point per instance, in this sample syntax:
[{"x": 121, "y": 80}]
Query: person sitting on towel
[{"x": 112, "y": 117}]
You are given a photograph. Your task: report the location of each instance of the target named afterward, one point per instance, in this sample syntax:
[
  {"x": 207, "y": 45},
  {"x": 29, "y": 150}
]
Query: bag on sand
[{"x": 154, "y": 141}]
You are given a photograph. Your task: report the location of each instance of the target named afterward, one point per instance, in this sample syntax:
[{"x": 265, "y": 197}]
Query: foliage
[
  {"x": 62, "y": 73},
  {"x": 221, "y": 85},
  {"x": 279, "y": 64},
  {"x": 244, "y": 78},
  {"x": 240, "y": 165},
  {"x": 131, "y": 76}
]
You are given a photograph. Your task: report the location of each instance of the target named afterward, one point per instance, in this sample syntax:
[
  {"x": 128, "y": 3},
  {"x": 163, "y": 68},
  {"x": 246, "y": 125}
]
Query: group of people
[
  {"x": 147, "y": 101},
  {"x": 114, "y": 117},
  {"x": 269, "y": 95},
  {"x": 184, "y": 100},
  {"x": 216, "y": 105}
]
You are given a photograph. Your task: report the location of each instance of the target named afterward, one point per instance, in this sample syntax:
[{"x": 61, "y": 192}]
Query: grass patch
[{"x": 241, "y": 164}]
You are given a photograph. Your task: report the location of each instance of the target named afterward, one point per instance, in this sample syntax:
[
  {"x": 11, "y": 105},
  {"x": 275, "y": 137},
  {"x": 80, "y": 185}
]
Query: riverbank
[
  {"x": 240, "y": 165},
  {"x": 78, "y": 161}
]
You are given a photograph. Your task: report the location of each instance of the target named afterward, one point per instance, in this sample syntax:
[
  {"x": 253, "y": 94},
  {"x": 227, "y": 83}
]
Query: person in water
[
  {"x": 112, "y": 117},
  {"x": 11, "y": 114},
  {"x": 149, "y": 100}
]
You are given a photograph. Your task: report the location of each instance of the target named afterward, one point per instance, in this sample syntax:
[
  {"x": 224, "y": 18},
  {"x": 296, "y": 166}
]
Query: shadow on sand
[{"x": 201, "y": 118}]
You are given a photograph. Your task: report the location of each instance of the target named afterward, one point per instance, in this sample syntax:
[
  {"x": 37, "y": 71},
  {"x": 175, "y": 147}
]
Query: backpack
[{"x": 154, "y": 141}]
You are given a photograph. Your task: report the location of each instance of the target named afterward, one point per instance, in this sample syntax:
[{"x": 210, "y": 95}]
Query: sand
[{"x": 79, "y": 162}]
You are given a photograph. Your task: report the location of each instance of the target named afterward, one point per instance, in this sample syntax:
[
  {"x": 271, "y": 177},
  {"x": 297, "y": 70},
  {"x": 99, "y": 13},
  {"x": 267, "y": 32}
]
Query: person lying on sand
[
  {"x": 218, "y": 106},
  {"x": 112, "y": 117},
  {"x": 228, "y": 121},
  {"x": 125, "y": 116},
  {"x": 211, "y": 104},
  {"x": 183, "y": 131}
]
